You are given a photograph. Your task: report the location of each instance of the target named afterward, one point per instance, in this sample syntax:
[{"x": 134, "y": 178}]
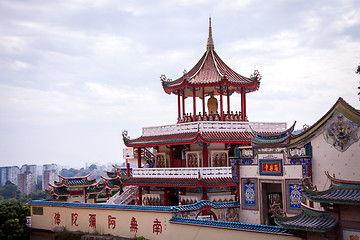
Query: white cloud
[
  {"x": 107, "y": 45},
  {"x": 19, "y": 65},
  {"x": 12, "y": 45}
]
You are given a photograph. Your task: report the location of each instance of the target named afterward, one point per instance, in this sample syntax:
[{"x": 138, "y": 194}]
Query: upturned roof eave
[
  {"x": 199, "y": 138},
  {"x": 346, "y": 109},
  {"x": 184, "y": 81}
]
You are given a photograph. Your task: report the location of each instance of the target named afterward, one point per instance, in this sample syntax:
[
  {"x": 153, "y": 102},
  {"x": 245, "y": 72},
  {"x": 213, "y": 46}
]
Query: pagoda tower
[
  {"x": 196, "y": 158},
  {"x": 211, "y": 76}
]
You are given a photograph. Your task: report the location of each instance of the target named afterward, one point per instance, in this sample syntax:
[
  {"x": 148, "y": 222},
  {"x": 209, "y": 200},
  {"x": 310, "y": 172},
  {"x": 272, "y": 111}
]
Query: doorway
[
  {"x": 271, "y": 193},
  {"x": 174, "y": 197}
]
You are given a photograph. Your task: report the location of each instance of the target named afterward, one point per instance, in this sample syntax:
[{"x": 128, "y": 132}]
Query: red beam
[
  {"x": 203, "y": 102},
  {"x": 179, "y": 112},
  {"x": 183, "y": 102},
  {"x": 221, "y": 106},
  {"x": 243, "y": 110},
  {"x": 171, "y": 156},
  {"x": 228, "y": 100},
  {"x": 205, "y": 156},
  {"x": 194, "y": 105},
  {"x": 139, "y": 157}
]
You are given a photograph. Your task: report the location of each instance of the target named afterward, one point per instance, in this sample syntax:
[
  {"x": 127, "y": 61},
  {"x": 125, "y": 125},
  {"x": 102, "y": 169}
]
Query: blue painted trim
[
  {"x": 203, "y": 203},
  {"x": 101, "y": 206},
  {"x": 194, "y": 206},
  {"x": 230, "y": 225}
]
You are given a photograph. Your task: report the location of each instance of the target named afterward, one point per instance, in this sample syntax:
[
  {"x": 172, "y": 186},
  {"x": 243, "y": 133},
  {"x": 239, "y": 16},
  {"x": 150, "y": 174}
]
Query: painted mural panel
[
  {"x": 293, "y": 196},
  {"x": 249, "y": 194}
]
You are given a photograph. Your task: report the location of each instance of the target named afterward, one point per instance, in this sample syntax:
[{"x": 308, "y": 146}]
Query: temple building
[
  {"x": 215, "y": 164},
  {"x": 216, "y": 154},
  {"x": 200, "y": 156}
]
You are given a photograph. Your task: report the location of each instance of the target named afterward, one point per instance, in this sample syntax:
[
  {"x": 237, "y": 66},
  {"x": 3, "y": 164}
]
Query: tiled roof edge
[{"x": 230, "y": 225}]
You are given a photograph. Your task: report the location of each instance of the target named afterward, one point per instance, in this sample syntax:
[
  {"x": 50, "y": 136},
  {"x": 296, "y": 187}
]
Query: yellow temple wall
[{"x": 77, "y": 219}]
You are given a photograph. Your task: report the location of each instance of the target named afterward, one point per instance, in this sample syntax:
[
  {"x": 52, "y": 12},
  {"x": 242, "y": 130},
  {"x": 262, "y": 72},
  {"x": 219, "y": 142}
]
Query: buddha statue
[{"x": 212, "y": 103}]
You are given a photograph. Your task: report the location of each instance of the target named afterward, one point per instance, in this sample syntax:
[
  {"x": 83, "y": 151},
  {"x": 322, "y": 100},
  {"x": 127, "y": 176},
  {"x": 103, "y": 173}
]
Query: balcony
[
  {"x": 208, "y": 126},
  {"x": 209, "y": 172}
]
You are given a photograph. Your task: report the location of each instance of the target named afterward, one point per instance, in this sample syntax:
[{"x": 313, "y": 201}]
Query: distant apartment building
[
  {"x": 49, "y": 175},
  {"x": 27, "y": 179},
  {"x": 9, "y": 174}
]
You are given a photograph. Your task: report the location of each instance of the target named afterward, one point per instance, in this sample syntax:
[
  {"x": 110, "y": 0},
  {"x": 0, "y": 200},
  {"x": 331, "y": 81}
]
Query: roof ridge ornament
[
  {"x": 163, "y": 78},
  {"x": 210, "y": 42}
]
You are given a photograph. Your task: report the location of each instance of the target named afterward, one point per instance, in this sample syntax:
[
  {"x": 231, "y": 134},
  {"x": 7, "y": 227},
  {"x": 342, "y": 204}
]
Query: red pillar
[
  {"x": 228, "y": 100},
  {"x": 221, "y": 106},
  {"x": 167, "y": 197},
  {"x": 183, "y": 102},
  {"x": 204, "y": 195},
  {"x": 194, "y": 104},
  {"x": 238, "y": 192},
  {"x": 205, "y": 156},
  {"x": 203, "y": 101},
  {"x": 179, "y": 112},
  {"x": 171, "y": 156},
  {"x": 139, "y": 201},
  {"x": 128, "y": 169},
  {"x": 139, "y": 157},
  {"x": 243, "y": 104}
]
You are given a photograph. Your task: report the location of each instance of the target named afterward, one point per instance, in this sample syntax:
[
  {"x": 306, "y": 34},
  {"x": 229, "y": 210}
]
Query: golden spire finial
[{"x": 210, "y": 42}]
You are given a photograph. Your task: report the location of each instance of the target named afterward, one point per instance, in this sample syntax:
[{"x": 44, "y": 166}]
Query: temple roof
[
  {"x": 308, "y": 220},
  {"x": 268, "y": 138},
  {"x": 342, "y": 182},
  {"x": 113, "y": 183},
  {"x": 180, "y": 182},
  {"x": 75, "y": 181},
  {"x": 340, "y": 192},
  {"x": 95, "y": 189},
  {"x": 203, "y": 203},
  {"x": 191, "y": 137},
  {"x": 340, "y": 106},
  {"x": 211, "y": 71},
  {"x": 57, "y": 191}
]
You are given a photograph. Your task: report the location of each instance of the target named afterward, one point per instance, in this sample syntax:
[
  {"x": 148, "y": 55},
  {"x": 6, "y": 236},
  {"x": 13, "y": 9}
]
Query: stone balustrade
[{"x": 209, "y": 172}]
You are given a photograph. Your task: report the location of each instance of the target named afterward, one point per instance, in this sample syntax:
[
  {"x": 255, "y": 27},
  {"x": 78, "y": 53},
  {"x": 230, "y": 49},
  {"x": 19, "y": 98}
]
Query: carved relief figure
[{"x": 341, "y": 133}]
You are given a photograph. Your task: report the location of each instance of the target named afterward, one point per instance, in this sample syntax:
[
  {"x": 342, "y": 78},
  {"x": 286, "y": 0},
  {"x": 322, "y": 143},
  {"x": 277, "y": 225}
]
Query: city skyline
[{"x": 73, "y": 81}]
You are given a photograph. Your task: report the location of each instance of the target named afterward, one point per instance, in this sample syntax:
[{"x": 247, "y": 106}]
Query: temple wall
[
  {"x": 289, "y": 172},
  {"x": 149, "y": 224},
  {"x": 345, "y": 165}
]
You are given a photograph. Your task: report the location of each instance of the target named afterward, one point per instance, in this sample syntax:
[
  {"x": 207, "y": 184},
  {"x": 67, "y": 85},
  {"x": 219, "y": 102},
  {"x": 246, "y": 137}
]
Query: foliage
[
  {"x": 10, "y": 192},
  {"x": 358, "y": 70},
  {"x": 139, "y": 238},
  {"x": 13, "y": 219},
  {"x": 68, "y": 172}
]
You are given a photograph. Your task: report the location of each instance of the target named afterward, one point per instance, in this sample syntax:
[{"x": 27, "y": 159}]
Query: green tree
[
  {"x": 9, "y": 190},
  {"x": 13, "y": 219},
  {"x": 68, "y": 172}
]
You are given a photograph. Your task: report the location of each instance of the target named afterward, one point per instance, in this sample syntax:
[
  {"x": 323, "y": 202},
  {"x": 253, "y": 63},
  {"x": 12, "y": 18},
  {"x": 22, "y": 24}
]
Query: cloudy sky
[{"x": 75, "y": 73}]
